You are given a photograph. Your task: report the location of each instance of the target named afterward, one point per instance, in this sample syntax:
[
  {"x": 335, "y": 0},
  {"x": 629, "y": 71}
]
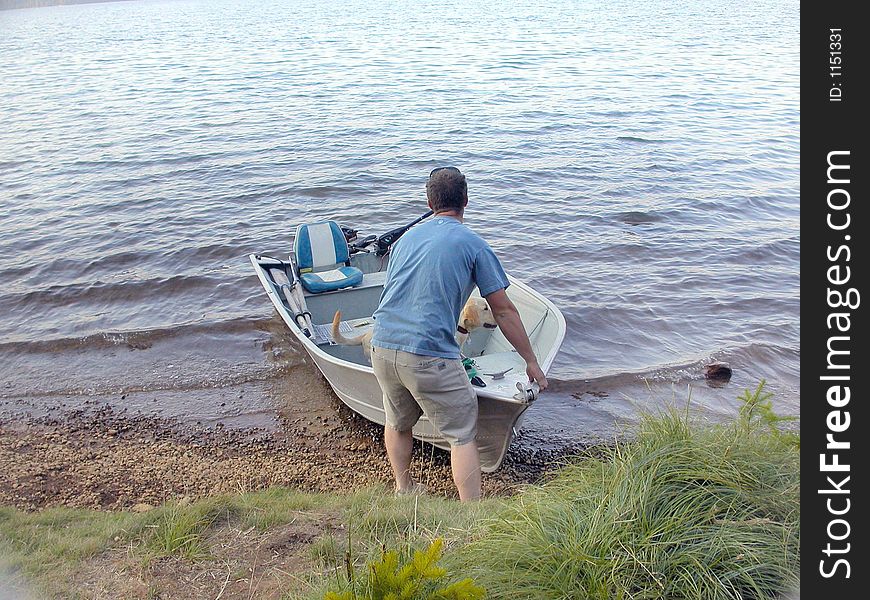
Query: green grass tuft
[
  {"x": 680, "y": 512},
  {"x": 278, "y": 506},
  {"x": 178, "y": 530}
]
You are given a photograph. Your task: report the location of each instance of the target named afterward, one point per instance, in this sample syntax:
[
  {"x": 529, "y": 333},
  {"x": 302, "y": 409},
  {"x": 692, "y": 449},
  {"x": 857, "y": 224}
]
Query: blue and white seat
[{"x": 323, "y": 259}]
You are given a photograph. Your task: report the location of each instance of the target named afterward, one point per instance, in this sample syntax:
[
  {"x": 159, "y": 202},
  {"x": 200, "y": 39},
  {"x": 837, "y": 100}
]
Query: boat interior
[
  {"x": 489, "y": 348},
  {"x": 492, "y": 353},
  {"x": 357, "y": 304}
]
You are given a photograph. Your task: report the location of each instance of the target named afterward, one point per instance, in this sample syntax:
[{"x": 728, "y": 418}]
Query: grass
[
  {"x": 682, "y": 511},
  {"x": 375, "y": 522},
  {"x": 178, "y": 530},
  {"x": 277, "y": 506},
  {"x": 49, "y": 545}
]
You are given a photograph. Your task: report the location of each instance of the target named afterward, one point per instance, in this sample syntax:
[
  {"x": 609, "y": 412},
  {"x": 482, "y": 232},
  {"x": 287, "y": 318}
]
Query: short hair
[{"x": 446, "y": 189}]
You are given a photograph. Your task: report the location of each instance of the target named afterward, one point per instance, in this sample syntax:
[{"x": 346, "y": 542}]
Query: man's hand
[
  {"x": 508, "y": 318},
  {"x": 533, "y": 370}
]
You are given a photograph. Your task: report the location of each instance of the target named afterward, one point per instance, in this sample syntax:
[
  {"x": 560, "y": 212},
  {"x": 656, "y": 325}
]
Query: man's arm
[{"x": 508, "y": 318}]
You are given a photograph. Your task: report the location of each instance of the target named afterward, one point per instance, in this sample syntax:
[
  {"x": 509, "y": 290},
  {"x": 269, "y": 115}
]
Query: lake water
[{"x": 636, "y": 163}]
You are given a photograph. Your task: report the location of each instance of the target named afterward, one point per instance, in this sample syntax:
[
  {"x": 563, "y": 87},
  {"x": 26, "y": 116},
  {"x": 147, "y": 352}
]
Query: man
[{"x": 433, "y": 269}]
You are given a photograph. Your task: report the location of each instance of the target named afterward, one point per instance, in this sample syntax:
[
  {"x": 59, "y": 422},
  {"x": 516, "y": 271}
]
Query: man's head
[{"x": 446, "y": 190}]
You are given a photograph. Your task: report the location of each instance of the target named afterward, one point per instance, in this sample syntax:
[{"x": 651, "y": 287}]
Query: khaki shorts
[{"x": 437, "y": 387}]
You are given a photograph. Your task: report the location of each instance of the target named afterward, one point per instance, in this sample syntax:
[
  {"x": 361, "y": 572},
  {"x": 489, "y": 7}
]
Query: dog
[
  {"x": 364, "y": 340},
  {"x": 476, "y": 313}
]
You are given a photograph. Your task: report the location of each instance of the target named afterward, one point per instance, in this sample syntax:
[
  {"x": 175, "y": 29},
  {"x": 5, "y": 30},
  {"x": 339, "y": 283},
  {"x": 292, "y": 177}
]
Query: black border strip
[{"x": 834, "y": 264}]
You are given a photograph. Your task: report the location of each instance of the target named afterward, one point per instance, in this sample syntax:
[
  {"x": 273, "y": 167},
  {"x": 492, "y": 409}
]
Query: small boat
[{"x": 332, "y": 269}]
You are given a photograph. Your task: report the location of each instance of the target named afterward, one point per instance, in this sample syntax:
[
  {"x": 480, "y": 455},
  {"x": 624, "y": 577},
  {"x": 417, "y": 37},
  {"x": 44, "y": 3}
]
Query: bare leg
[
  {"x": 399, "y": 445},
  {"x": 465, "y": 461}
]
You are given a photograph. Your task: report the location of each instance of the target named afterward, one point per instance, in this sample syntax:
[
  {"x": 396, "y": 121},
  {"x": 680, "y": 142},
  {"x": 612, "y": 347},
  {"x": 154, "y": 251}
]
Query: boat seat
[{"x": 323, "y": 259}]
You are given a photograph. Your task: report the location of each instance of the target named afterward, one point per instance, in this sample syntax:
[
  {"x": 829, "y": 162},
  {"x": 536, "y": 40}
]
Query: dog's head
[{"x": 476, "y": 313}]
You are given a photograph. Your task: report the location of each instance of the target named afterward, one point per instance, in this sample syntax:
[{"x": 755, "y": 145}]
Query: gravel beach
[{"x": 98, "y": 458}]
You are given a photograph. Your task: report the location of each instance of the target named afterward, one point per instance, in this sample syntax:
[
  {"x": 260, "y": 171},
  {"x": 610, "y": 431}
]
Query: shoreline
[
  {"x": 284, "y": 541},
  {"x": 102, "y": 459},
  {"x": 105, "y": 452}
]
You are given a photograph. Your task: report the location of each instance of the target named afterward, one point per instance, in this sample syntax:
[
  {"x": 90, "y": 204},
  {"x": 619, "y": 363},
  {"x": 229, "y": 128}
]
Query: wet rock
[{"x": 718, "y": 371}]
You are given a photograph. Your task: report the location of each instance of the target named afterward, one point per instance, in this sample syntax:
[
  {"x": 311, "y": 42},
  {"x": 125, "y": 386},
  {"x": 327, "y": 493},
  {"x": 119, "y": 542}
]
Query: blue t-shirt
[{"x": 432, "y": 272}]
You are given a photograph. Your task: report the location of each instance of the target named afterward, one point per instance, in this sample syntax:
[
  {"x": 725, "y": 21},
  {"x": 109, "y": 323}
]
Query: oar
[
  {"x": 385, "y": 240},
  {"x": 299, "y": 297},
  {"x": 297, "y": 310}
]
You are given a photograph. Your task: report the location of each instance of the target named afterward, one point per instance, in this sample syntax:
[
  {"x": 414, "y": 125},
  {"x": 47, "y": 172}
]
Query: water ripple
[{"x": 624, "y": 158}]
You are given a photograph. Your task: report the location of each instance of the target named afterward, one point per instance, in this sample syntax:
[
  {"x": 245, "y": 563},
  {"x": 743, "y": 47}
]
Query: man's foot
[{"x": 415, "y": 489}]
